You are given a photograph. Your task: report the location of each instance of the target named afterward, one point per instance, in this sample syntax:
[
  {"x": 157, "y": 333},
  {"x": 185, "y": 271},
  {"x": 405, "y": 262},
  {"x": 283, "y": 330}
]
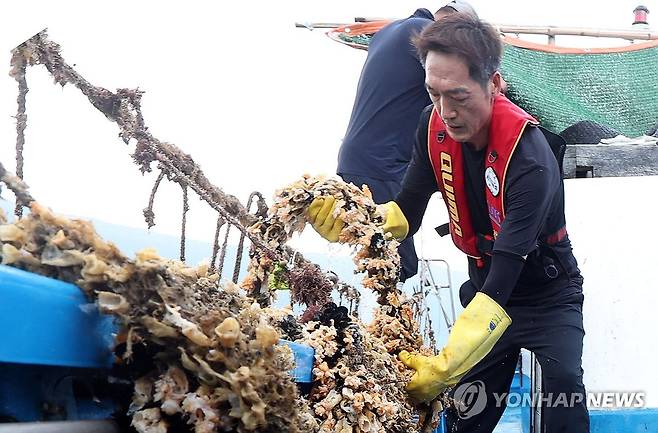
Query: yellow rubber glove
[
  {"x": 395, "y": 222},
  {"x": 474, "y": 334},
  {"x": 321, "y": 217}
]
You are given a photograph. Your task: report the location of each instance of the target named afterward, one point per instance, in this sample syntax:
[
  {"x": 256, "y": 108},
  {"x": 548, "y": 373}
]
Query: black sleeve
[
  {"x": 419, "y": 182},
  {"x": 532, "y": 181},
  {"x": 504, "y": 272}
]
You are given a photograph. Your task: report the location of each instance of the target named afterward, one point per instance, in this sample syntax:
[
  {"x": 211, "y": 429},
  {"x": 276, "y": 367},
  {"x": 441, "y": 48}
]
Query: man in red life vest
[{"x": 502, "y": 186}]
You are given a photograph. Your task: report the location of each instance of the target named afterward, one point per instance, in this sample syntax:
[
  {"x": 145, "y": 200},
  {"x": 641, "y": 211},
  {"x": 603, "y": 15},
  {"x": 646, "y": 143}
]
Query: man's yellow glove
[
  {"x": 474, "y": 334},
  {"x": 395, "y": 222},
  {"x": 321, "y": 216}
]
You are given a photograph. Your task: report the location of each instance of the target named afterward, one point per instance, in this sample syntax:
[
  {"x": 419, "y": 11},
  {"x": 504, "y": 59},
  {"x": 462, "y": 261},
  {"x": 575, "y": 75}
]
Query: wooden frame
[{"x": 610, "y": 160}]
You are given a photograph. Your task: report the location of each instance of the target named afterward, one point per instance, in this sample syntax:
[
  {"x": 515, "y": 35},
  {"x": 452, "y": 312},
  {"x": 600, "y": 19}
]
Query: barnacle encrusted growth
[
  {"x": 204, "y": 354},
  {"x": 376, "y": 253},
  {"x": 359, "y": 382},
  {"x": 359, "y": 386}
]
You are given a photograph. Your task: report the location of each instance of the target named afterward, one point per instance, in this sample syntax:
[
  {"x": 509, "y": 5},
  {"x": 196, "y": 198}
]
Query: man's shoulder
[
  {"x": 533, "y": 152},
  {"x": 533, "y": 143},
  {"x": 532, "y": 134},
  {"x": 395, "y": 37},
  {"x": 416, "y": 22}
]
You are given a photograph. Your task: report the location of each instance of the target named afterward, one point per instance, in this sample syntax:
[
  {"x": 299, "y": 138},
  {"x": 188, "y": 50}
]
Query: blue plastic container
[
  {"x": 48, "y": 322},
  {"x": 304, "y": 358}
]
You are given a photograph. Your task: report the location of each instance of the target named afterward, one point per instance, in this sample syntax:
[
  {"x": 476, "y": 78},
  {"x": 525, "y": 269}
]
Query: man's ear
[{"x": 496, "y": 84}]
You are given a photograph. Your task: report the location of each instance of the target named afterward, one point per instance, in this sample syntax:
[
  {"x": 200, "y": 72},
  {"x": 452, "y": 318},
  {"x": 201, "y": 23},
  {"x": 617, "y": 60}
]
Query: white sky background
[{"x": 254, "y": 100}]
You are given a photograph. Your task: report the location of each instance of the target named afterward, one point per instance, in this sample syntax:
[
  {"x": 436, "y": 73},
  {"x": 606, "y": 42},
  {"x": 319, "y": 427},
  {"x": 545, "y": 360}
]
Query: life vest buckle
[{"x": 484, "y": 243}]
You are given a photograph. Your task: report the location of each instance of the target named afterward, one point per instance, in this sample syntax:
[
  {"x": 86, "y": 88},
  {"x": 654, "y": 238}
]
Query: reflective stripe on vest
[{"x": 505, "y": 129}]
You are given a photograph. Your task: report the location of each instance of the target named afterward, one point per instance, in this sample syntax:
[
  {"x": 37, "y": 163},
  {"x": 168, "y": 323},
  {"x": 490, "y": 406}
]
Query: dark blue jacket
[{"x": 389, "y": 99}]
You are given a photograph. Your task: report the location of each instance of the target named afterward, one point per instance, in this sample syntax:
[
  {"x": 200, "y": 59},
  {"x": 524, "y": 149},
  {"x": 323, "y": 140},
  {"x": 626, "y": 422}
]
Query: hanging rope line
[
  {"x": 261, "y": 212},
  {"x": 215, "y": 244},
  {"x": 149, "y": 215},
  {"x": 123, "y": 107},
  {"x": 18, "y": 71},
  {"x": 186, "y": 208}
]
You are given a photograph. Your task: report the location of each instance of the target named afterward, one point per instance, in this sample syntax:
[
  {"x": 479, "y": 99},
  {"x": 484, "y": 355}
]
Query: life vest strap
[
  {"x": 557, "y": 236},
  {"x": 443, "y": 229},
  {"x": 485, "y": 242}
]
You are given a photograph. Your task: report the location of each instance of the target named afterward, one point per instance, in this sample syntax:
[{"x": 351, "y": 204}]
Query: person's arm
[
  {"x": 533, "y": 178},
  {"x": 503, "y": 274},
  {"x": 419, "y": 182}
]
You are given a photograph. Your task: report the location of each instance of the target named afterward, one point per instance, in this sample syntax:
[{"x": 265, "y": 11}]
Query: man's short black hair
[{"x": 472, "y": 39}]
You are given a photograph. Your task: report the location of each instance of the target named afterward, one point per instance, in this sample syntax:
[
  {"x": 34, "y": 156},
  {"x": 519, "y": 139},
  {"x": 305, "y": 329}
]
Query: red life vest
[{"x": 507, "y": 125}]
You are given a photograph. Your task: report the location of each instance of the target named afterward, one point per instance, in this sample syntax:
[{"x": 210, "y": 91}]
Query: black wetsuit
[{"x": 539, "y": 285}]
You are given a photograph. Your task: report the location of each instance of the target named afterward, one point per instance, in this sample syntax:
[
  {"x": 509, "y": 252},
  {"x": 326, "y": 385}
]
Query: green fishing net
[{"x": 619, "y": 90}]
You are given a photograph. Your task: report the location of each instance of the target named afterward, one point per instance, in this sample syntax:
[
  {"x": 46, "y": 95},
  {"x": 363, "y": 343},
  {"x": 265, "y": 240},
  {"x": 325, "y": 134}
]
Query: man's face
[{"x": 464, "y": 105}]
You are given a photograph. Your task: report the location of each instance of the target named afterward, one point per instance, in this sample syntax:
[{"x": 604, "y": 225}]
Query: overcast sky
[{"x": 254, "y": 100}]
